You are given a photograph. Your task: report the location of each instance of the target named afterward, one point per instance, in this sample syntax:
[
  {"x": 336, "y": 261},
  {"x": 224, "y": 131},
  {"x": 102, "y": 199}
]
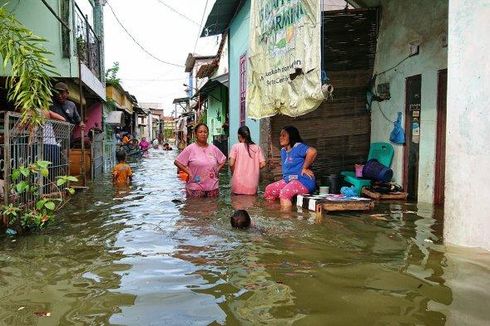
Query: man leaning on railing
[{"x": 64, "y": 107}]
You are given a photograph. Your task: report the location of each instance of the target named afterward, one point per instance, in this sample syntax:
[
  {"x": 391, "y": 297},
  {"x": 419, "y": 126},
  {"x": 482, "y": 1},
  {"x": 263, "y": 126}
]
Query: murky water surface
[{"x": 147, "y": 257}]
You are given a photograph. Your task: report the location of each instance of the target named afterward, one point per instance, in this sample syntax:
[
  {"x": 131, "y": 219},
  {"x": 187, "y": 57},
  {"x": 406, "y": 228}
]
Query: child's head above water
[
  {"x": 240, "y": 219},
  {"x": 120, "y": 156}
]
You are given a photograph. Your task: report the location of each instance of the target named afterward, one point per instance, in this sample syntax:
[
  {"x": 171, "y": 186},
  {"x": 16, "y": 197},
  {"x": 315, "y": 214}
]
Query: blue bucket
[{"x": 376, "y": 171}]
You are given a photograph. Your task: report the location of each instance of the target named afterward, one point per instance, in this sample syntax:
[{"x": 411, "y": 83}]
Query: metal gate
[
  {"x": 23, "y": 146},
  {"x": 97, "y": 154},
  {"x": 109, "y": 155}
]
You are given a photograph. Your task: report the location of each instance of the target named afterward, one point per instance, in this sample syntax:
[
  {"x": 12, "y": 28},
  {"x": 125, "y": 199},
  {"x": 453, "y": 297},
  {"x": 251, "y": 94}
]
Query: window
[{"x": 243, "y": 88}]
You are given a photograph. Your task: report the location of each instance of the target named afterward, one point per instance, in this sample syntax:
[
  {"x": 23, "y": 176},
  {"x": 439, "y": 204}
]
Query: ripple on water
[{"x": 146, "y": 256}]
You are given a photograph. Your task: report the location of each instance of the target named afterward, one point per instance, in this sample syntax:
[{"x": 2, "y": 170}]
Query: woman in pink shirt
[
  {"x": 202, "y": 162},
  {"x": 246, "y": 159}
]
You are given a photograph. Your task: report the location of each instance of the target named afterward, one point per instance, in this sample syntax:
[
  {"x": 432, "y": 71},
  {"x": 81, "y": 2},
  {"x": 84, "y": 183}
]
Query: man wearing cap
[{"x": 65, "y": 107}]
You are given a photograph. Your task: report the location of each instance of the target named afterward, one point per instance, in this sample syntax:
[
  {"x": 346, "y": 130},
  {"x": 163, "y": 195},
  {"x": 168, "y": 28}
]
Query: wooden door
[
  {"x": 440, "y": 169},
  {"x": 412, "y": 130}
]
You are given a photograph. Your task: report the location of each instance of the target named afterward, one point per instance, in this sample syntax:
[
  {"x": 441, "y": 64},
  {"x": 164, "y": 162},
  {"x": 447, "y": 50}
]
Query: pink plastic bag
[{"x": 358, "y": 168}]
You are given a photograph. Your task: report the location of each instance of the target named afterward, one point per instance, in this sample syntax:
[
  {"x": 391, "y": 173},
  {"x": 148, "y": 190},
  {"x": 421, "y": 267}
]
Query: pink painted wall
[{"x": 93, "y": 119}]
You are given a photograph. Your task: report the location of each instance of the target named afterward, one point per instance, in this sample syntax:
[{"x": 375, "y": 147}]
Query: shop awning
[{"x": 115, "y": 118}]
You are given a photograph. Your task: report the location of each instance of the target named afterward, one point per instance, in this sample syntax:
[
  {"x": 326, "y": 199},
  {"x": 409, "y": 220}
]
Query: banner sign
[{"x": 284, "y": 74}]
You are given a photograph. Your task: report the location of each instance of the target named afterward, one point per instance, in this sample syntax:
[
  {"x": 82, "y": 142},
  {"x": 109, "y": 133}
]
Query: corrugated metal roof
[{"x": 220, "y": 16}]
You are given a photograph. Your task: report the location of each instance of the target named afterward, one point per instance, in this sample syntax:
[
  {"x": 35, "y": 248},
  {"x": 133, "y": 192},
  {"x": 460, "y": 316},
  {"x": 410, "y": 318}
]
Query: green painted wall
[
  {"x": 216, "y": 111},
  {"x": 35, "y": 16},
  {"x": 403, "y": 22}
]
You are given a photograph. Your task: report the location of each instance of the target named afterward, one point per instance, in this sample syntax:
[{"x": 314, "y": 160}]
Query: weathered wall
[
  {"x": 35, "y": 16},
  {"x": 467, "y": 205},
  {"x": 239, "y": 36},
  {"x": 401, "y": 23}
]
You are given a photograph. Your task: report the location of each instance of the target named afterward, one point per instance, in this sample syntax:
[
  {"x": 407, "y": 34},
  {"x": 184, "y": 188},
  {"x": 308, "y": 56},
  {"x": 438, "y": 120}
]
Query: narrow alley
[{"x": 147, "y": 257}]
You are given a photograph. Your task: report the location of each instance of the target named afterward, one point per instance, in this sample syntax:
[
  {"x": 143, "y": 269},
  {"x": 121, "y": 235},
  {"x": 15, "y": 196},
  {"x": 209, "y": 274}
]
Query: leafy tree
[
  {"x": 29, "y": 82},
  {"x": 111, "y": 75}
]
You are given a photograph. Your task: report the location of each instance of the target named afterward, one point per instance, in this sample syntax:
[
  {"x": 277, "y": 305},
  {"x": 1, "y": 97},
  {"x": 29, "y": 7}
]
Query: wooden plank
[
  {"x": 352, "y": 205},
  {"x": 380, "y": 196}
]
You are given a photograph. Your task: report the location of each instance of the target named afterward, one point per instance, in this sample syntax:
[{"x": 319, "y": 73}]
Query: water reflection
[
  {"x": 147, "y": 256},
  {"x": 70, "y": 271}
]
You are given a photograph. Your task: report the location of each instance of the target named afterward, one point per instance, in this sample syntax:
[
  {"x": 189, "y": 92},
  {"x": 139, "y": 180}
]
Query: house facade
[
  {"x": 430, "y": 66},
  {"x": 74, "y": 35}
]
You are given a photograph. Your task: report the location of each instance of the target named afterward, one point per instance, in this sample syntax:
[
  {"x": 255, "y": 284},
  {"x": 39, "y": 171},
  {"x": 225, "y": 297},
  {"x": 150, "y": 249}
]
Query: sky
[{"x": 162, "y": 32}]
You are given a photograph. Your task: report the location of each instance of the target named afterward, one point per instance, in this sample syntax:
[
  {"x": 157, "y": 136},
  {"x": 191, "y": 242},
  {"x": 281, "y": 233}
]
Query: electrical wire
[
  {"x": 137, "y": 43},
  {"x": 200, "y": 25},
  {"x": 384, "y": 115},
  {"x": 395, "y": 66},
  {"x": 151, "y": 80},
  {"x": 178, "y": 12}
]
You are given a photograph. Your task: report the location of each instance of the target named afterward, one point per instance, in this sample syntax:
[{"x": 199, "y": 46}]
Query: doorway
[
  {"x": 439, "y": 180},
  {"x": 412, "y": 129}
]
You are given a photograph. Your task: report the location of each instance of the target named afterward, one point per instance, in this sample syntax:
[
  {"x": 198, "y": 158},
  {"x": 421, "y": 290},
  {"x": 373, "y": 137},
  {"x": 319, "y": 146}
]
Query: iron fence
[
  {"x": 109, "y": 155},
  {"x": 88, "y": 44},
  {"x": 23, "y": 146}
]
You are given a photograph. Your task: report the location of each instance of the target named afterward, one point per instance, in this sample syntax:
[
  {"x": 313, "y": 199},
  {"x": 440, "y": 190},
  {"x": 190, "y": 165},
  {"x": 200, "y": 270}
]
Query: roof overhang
[
  {"x": 181, "y": 100},
  {"x": 220, "y": 17},
  {"x": 140, "y": 111},
  {"x": 212, "y": 84}
]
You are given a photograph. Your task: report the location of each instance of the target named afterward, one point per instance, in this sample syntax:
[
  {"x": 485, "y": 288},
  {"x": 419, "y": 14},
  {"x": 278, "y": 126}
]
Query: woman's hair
[
  {"x": 121, "y": 156},
  {"x": 293, "y": 134},
  {"x": 245, "y": 133},
  {"x": 240, "y": 219},
  {"x": 201, "y": 124}
]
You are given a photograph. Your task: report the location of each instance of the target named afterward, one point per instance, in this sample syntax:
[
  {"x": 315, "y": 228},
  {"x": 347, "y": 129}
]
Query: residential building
[
  {"x": 74, "y": 35},
  {"x": 214, "y": 96},
  {"x": 125, "y": 111},
  {"x": 430, "y": 66}
]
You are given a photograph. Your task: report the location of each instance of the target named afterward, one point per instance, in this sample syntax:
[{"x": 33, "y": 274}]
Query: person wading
[{"x": 202, "y": 162}]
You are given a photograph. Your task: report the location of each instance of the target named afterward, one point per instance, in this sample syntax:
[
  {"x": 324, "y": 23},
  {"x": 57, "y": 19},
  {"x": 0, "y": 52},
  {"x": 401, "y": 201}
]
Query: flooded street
[{"x": 148, "y": 257}]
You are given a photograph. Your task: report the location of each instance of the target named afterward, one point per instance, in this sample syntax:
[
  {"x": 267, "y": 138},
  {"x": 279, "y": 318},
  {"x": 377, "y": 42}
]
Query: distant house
[{"x": 213, "y": 94}]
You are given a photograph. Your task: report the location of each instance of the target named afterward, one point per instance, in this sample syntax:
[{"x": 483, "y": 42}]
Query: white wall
[
  {"x": 403, "y": 22},
  {"x": 467, "y": 205}
]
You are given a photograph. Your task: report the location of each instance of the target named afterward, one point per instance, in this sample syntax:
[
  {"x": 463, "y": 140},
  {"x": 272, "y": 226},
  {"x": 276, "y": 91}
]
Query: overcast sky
[{"x": 162, "y": 32}]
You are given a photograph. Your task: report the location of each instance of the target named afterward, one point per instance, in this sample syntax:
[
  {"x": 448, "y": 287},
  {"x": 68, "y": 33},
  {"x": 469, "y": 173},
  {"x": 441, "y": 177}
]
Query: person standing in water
[
  {"x": 246, "y": 160},
  {"x": 202, "y": 162}
]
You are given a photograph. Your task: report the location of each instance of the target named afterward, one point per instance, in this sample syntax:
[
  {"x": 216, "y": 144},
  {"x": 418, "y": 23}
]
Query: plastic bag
[{"x": 397, "y": 135}]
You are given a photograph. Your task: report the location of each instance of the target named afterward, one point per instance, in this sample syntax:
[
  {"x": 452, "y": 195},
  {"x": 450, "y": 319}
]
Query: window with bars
[{"x": 243, "y": 88}]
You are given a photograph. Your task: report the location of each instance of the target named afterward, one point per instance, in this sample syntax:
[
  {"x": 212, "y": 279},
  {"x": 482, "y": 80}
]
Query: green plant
[
  {"x": 29, "y": 81},
  {"x": 111, "y": 75},
  {"x": 37, "y": 213}
]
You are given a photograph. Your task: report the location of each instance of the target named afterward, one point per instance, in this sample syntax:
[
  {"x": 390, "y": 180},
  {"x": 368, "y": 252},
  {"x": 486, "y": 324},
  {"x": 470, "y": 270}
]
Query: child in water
[
  {"x": 121, "y": 174},
  {"x": 240, "y": 219}
]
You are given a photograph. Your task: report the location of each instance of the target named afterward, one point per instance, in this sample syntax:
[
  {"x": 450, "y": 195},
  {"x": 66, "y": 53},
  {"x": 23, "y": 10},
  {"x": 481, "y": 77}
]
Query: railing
[
  {"x": 23, "y": 146},
  {"x": 88, "y": 44}
]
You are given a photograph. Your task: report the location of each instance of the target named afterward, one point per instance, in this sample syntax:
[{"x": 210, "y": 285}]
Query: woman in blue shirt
[{"x": 297, "y": 177}]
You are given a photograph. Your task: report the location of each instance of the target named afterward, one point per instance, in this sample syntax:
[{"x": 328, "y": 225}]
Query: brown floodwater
[{"x": 147, "y": 256}]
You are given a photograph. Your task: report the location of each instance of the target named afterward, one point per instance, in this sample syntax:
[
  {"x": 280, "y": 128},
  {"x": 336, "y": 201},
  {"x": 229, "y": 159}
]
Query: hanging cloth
[{"x": 397, "y": 135}]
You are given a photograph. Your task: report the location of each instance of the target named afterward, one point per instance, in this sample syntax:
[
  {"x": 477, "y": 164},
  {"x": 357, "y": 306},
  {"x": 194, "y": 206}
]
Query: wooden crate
[
  {"x": 332, "y": 205},
  {"x": 380, "y": 196}
]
